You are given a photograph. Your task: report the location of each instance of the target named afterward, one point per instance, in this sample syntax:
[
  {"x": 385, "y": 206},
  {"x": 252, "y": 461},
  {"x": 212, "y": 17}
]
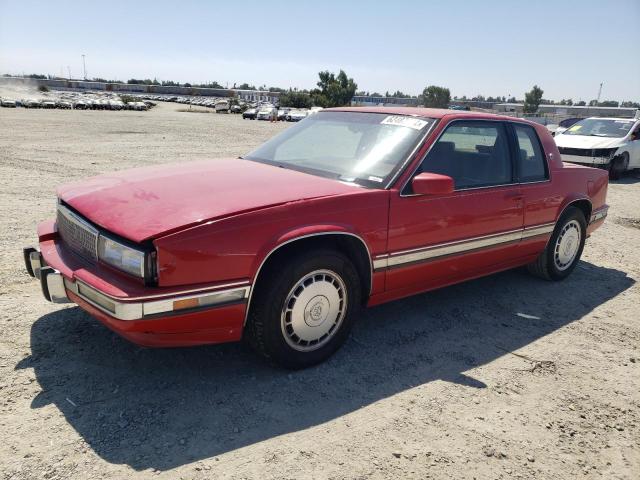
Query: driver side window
[{"x": 474, "y": 153}]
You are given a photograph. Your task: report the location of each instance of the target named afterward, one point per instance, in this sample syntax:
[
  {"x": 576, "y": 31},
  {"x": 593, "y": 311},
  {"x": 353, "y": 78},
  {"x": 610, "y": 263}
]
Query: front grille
[
  {"x": 586, "y": 152},
  {"x": 77, "y": 234},
  {"x": 579, "y": 152}
]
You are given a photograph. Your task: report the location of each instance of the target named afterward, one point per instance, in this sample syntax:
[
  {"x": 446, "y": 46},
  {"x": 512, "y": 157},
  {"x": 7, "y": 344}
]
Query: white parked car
[
  {"x": 222, "y": 106},
  {"x": 297, "y": 115},
  {"x": 267, "y": 112},
  {"x": 611, "y": 143}
]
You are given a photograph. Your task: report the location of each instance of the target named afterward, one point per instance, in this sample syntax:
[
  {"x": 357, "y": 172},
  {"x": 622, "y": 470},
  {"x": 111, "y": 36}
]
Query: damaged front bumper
[
  {"x": 150, "y": 317},
  {"x": 51, "y": 281}
]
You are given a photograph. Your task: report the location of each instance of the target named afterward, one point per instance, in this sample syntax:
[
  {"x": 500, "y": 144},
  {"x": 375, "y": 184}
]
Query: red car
[{"x": 351, "y": 207}]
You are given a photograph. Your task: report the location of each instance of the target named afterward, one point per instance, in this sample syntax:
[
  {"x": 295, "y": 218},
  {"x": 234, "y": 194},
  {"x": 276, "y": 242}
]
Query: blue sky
[{"x": 491, "y": 47}]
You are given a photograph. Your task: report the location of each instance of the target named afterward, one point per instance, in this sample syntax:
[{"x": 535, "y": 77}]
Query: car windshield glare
[
  {"x": 600, "y": 127},
  {"x": 365, "y": 148}
]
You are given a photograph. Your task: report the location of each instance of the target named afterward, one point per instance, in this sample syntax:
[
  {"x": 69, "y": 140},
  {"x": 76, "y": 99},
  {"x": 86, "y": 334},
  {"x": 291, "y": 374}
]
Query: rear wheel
[
  {"x": 302, "y": 313},
  {"x": 563, "y": 251}
]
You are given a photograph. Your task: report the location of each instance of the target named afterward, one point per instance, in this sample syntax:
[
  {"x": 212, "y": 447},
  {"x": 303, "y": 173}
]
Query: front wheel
[
  {"x": 563, "y": 251},
  {"x": 618, "y": 166},
  {"x": 303, "y": 312}
]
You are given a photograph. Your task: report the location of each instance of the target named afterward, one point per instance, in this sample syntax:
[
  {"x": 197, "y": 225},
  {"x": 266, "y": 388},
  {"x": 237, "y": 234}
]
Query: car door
[
  {"x": 634, "y": 147},
  {"x": 438, "y": 239},
  {"x": 541, "y": 201}
]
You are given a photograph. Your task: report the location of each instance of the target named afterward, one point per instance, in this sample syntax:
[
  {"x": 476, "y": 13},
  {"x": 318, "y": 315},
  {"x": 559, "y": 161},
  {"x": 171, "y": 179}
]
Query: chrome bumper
[
  {"x": 51, "y": 281},
  {"x": 599, "y": 214},
  {"x": 55, "y": 287}
]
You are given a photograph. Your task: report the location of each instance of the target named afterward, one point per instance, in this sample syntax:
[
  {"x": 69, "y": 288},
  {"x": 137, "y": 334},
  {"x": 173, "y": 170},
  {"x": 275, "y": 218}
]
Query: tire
[
  {"x": 302, "y": 312},
  {"x": 564, "y": 249},
  {"x": 618, "y": 166}
]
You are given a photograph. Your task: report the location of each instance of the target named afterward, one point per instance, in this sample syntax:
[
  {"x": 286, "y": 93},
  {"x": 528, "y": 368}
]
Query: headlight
[{"x": 125, "y": 258}]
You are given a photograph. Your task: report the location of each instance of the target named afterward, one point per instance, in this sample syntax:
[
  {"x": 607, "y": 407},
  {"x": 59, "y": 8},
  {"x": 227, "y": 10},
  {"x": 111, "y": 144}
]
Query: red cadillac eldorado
[{"x": 351, "y": 207}]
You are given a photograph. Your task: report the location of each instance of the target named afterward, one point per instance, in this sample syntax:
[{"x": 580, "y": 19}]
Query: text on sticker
[{"x": 404, "y": 121}]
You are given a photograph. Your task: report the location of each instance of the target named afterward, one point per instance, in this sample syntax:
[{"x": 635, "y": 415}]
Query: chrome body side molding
[{"x": 434, "y": 252}]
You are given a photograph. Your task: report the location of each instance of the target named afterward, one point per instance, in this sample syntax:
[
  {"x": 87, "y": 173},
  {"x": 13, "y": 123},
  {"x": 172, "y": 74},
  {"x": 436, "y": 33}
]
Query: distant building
[
  {"x": 570, "y": 110},
  {"x": 257, "y": 95},
  {"x": 369, "y": 101}
]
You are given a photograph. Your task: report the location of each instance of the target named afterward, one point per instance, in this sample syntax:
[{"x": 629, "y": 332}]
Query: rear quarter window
[{"x": 532, "y": 165}]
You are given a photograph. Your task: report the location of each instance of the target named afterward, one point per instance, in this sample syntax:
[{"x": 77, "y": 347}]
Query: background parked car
[
  {"x": 31, "y": 103},
  {"x": 282, "y": 113},
  {"x": 297, "y": 115},
  {"x": 222, "y": 106},
  {"x": 250, "y": 113},
  {"x": 610, "y": 143},
  {"x": 267, "y": 112}
]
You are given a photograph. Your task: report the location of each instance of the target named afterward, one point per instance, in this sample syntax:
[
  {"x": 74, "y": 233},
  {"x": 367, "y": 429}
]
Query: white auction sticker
[{"x": 404, "y": 121}]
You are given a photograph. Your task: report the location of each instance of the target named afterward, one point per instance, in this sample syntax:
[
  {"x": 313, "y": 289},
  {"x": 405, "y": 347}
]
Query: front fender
[{"x": 300, "y": 233}]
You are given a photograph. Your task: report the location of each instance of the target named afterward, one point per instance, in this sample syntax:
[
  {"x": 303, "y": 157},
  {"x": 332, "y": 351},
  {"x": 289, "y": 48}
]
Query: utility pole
[
  {"x": 69, "y": 70},
  {"x": 599, "y": 93},
  {"x": 84, "y": 67}
]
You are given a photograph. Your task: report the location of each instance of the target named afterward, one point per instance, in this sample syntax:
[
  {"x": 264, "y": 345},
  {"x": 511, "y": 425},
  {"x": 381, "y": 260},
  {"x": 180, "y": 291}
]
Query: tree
[
  {"x": 295, "y": 100},
  {"x": 533, "y": 99},
  {"x": 213, "y": 84},
  {"x": 581, "y": 103},
  {"x": 399, "y": 94},
  {"x": 436, "y": 97},
  {"x": 629, "y": 104},
  {"x": 334, "y": 90},
  {"x": 246, "y": 86}
]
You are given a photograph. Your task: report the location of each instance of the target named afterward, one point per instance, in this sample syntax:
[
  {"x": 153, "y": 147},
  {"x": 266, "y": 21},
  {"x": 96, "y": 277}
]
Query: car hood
[
  {"x": 145, "y": 203},
  {"x": 583, "y": 141}
]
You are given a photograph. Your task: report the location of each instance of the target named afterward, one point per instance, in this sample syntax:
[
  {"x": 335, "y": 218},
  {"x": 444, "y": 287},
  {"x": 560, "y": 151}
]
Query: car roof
[
  {"x": 612, "y": 118},
  {"x": 424, "y": 112}
]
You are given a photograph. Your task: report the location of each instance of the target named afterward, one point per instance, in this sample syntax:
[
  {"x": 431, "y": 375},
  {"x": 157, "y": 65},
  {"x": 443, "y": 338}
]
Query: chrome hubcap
[
  {"x": 313, "y": 310},
  {"x": 567, "y": 245}
]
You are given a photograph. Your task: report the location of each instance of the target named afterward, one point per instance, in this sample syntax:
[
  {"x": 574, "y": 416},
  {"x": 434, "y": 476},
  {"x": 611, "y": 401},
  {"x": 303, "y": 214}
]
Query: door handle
[{"x": 515, "y": 196}]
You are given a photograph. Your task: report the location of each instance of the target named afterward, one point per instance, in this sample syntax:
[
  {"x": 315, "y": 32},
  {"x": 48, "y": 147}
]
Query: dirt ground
[{"x": 503, "y": 377}]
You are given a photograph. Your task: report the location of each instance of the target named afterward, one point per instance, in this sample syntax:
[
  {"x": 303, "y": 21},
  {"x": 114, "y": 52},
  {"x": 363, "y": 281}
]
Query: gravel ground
[{"x": 503, "y": 377}]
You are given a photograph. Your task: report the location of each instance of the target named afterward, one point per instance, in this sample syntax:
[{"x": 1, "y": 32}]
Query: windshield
[
  {"x": 600, "y": 127},
  {"x": 365, "y": 148}
]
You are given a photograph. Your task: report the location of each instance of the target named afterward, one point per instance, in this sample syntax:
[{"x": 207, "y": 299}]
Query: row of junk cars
[
  {"x": 79, "y": 101},
  {"x": 113, "y": 101}
]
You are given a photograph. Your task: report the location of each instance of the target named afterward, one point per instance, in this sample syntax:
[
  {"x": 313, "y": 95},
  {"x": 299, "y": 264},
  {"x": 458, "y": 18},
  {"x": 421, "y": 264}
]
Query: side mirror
[{"x": 432, "y": 184}]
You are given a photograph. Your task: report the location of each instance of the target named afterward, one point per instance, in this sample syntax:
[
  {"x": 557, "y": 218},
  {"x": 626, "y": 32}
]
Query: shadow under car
[{"x": 162, "y": 408}]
